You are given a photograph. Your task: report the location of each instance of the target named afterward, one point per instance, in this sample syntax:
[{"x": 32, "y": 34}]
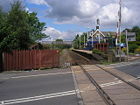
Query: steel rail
[
  {"x": 100, "y": 91},
  {"x": 129, "y": 83}
]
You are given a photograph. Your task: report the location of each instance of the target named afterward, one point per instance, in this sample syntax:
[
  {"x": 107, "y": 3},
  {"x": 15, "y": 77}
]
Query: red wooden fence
[
  {"x": 30, "y": 59},
  {"x": 102, "y": 46}
]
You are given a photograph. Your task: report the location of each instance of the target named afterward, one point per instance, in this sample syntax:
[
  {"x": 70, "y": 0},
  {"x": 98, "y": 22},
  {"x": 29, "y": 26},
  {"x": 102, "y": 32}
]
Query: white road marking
[
  {"x": 37, "y": 75},
  {"x": 138, "y": 77},
  {"x": 35, "y": 98},
  {"x": 103, "y": 85},
  {"x": 111, "y": 83}
]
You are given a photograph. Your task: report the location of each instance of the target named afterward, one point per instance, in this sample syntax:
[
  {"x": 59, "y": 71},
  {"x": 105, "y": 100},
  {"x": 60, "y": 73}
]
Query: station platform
[{"x": 84, "y": 51}]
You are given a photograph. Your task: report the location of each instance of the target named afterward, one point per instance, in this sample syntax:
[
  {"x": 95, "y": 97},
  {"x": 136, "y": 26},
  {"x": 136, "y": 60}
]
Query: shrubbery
[
  {"x": 133, "y": 47},
  {"x": 96, "y": 51},
  {"x": 137, "y": 51}
]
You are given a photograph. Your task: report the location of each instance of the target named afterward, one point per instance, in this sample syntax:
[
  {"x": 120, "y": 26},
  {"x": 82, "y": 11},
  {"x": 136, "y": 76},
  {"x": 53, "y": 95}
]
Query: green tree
[
  {"x": 35, "y": 27},
  {"x": 59, "y": 40},
  {"x": 2, "y": 34},
  {"x": 136, "y": 29},
  {"x": 79, "y": 40},
  {"x": 3, "y": 17},
  {"x": 83, "y": 38},
  {"x": 76, "y": 42},
  {"x": 18, "y": 29},
  {"x": 132, "y": 47},
  {"x": 134, "y": 44},
  {"x": 21, "y": 29}
]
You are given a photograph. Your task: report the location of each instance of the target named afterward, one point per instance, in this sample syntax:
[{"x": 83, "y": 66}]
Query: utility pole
[
  {"x": 92, "y": 41},
  {"x": 88, "y": 35},
  {"x": 79, "y": 41},
  {"x": 97, "y": 28},
  {"x": 91, "y": 34},
  {"x": 120, "y": 18},
  {"x": 84, "y": 40},
  {"x": 87, "y": 38},
  {"x": 127, "y": 47},
  {"x": 117, "y": 33},
  {"x": 119, "y": 27}
]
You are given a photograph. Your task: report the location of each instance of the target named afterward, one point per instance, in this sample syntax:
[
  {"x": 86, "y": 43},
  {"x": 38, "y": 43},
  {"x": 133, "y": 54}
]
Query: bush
[
  {"x": 96, "y": 51},
  {"x": 124, "y": 49},
  {"x": 133, "y": 47},
  {"x": 134, "y": 42},
  {"x": 137, "y": 51}
]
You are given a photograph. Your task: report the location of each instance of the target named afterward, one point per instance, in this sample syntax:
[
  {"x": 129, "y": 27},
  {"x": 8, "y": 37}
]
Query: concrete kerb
[{"x": 77, "y": 90}]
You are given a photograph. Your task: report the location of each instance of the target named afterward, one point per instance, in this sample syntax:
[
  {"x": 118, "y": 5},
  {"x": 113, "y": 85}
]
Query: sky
[{"x": 66, "y": 18}]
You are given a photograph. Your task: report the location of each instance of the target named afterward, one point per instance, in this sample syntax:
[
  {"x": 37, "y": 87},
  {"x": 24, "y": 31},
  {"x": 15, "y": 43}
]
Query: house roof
[
  {"x": 109, "y": 33},
  {"x": 106, "y": 33},
  {"x": 131, "y": 34}
]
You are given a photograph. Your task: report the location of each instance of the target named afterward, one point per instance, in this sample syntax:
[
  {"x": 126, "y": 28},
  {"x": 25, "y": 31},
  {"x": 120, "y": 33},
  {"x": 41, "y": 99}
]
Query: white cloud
[
  {"x": 108, "y": 14},
  {"x": 88, "y": 7},
  {"x": 56, "y": 34},
  {"x": 28, "y": 10},
  {"x": 38, "y": 2},
  {"x": 85, "y": 12}
]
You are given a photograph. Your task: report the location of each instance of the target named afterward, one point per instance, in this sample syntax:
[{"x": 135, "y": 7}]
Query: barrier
[{"x": 30, "y": 59}]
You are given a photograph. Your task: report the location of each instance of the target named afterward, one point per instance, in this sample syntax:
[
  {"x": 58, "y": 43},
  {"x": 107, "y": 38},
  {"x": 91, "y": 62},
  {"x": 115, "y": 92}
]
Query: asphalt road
[
  {"x": 54, "y": 87},
  {"x": 132, "y": 69}
]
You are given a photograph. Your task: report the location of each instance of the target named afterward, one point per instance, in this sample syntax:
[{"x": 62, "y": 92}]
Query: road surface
[
  {"x": 55, "y": 87},
  {"x": 132, "y": 68}
]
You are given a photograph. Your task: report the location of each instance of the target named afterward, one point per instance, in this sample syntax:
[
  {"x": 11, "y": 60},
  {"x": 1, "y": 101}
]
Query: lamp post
[
  {"x": 92, "y": 38},
  {"x": 127, "y": 47},
  {"x": 87, "y": 38},
  {"x": 79, "y": 41},
  {"x": 88, "y": 35}
]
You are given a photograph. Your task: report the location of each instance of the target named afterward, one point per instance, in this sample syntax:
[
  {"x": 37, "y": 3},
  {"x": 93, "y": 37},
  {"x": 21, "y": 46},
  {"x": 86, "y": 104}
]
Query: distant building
[
  {"x": 67, "y": 42},
  {"x": 109, "y": 33},
  {"x": 105, "y": 33},
  {"x": 130, "y": 35},
  {"x": 58, "y": 42},
  {"x": 97, "y": 35},
  {"x": 36, "y": 46}
]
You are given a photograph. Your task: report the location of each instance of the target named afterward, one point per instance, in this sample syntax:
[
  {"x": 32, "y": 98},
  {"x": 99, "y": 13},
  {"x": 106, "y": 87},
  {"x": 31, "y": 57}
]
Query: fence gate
[{"x": 30, "y": 59}]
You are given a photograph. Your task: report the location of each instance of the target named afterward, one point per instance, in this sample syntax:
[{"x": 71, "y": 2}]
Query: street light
[
  {"x": 88, "y": 35},
  {"x": 84, "y": 41},
  {"x": 79, "y": 41},
  {"x": 127, "y": 47}
]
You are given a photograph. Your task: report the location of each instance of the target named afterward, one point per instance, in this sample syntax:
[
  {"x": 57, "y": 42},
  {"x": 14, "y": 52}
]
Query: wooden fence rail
[{"x": 30, "y": 59}]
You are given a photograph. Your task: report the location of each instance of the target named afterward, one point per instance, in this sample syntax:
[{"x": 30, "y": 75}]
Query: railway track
[
  {"x": 129, "y": 83},
  {"x": 103, "y": 92}
]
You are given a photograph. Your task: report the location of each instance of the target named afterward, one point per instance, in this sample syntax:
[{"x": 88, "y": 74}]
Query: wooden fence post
[{"x": 1, "y": 62}]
